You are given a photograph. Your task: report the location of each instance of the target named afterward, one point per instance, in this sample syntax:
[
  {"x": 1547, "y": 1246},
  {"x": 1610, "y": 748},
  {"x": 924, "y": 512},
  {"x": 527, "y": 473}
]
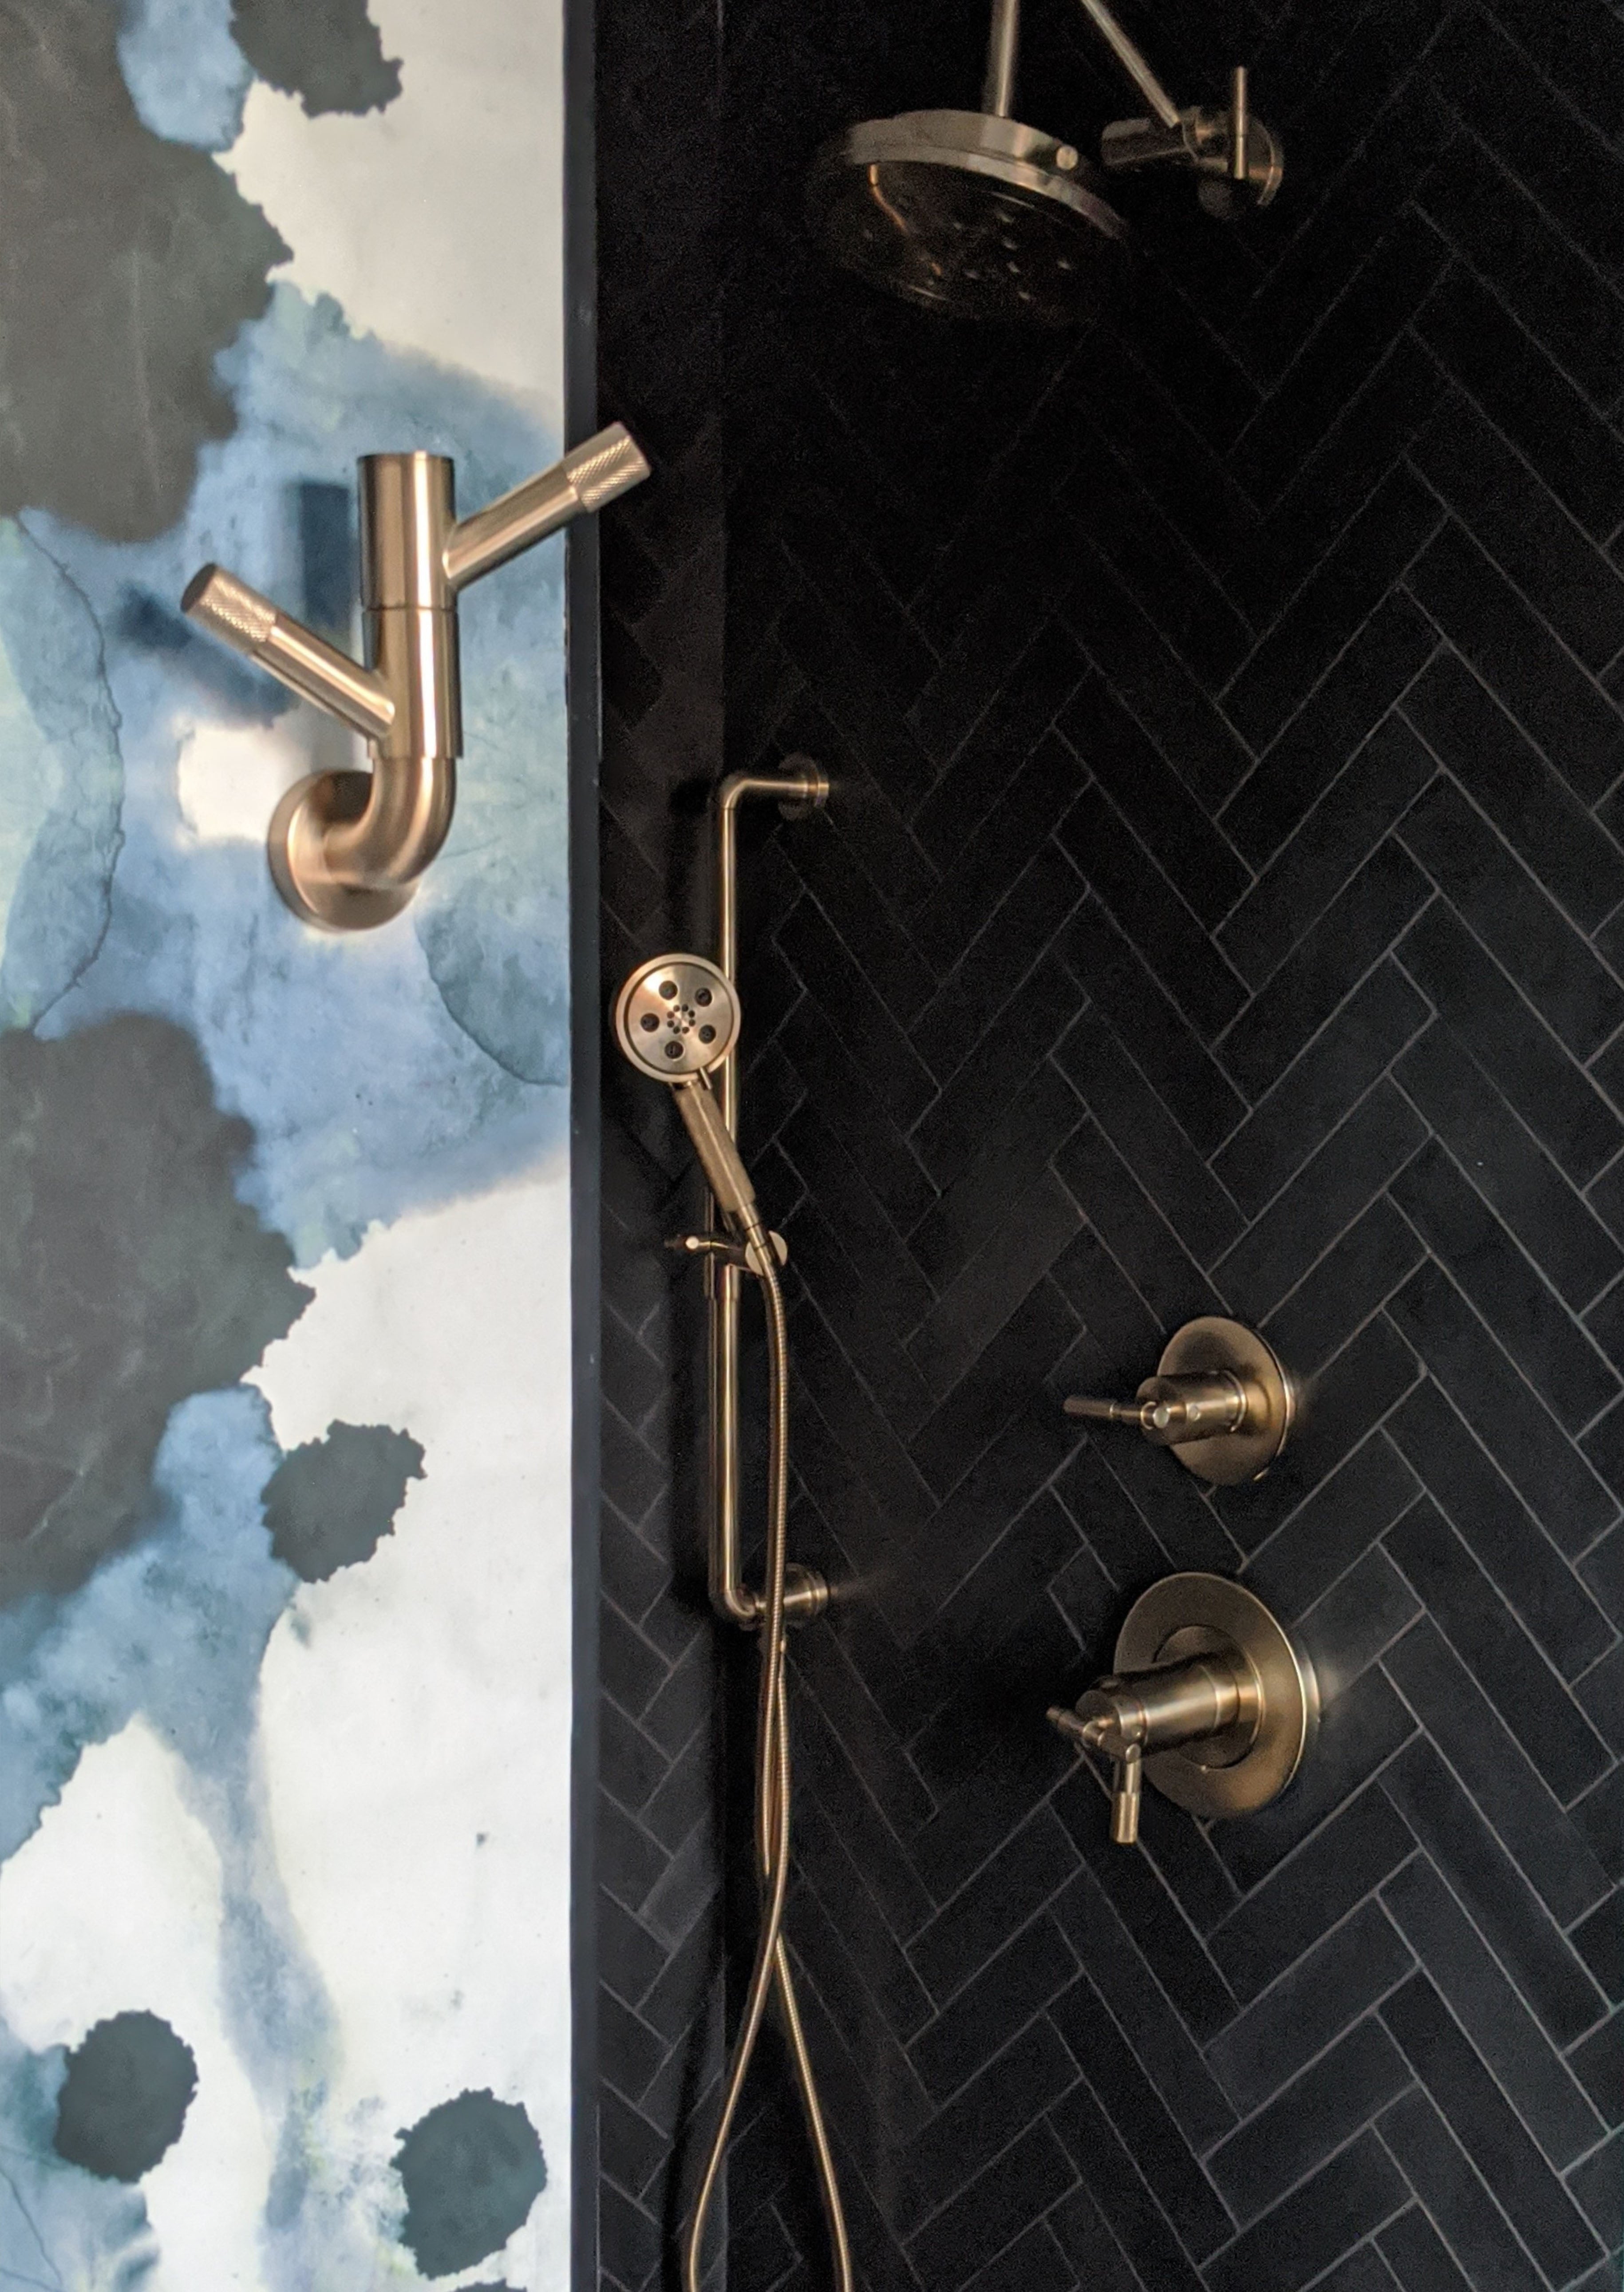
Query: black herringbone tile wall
[
  {"x": 659, "y": 1851},
  {"x": 1222, "y": 908}
]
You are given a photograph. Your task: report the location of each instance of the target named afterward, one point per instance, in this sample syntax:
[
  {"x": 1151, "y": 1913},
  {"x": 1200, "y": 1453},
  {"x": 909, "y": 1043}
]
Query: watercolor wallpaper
[{"x": 285, "y": 1335}]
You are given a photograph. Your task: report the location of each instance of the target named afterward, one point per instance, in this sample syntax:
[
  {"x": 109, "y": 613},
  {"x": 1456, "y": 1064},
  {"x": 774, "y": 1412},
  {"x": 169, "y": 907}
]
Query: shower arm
[
  {"x": 1220, "y": 143},
  {"x": 347, "y": 849}
]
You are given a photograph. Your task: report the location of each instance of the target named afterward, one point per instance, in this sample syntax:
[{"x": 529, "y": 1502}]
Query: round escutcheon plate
[
  {"x": 1209, "y": 1344},
  {"x": 1237, "y": 1772}
]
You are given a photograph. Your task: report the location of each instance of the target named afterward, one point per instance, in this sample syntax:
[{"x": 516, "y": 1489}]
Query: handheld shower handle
[{"x": 719, "y": 1156}]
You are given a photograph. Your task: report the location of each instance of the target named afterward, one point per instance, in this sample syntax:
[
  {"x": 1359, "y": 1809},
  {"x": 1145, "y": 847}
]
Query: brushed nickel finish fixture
[
  {"x": 678, "y": 1020},
  {"x": 974, "y": 215},
  {"x": 1220, "y": 1400},
  {"x": 347, "y": 848},
  {"x": 1209, "y": 1699}
]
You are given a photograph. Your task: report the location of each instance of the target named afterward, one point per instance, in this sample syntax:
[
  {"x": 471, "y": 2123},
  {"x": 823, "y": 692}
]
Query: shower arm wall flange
[
  {"x": 347, "y": 848},
  {"x": 799, "y": 788}
]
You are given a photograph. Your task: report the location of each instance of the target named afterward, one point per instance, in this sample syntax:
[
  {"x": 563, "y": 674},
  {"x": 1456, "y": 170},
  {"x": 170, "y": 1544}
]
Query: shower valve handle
[
  {"x": 1219, "y": 1399},
  {"x": 1170, "y": 1410},
  {"x": 1130, "y": 1719}
]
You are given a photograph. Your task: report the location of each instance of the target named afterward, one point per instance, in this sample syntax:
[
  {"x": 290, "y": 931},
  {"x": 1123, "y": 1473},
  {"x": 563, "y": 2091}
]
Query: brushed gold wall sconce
[
  {"x": 1219, "y": 1399},
  {"x": 1211, "y": 1701},
  {"x": 347, "y": 848}
]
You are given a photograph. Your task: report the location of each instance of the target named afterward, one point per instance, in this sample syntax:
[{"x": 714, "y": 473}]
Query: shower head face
[
  {"x": 969, "y": 215},
  {"x": 677, "y": 1017}
]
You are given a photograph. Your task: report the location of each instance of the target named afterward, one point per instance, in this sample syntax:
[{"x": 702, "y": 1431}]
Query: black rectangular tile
[
  {"x": 1393, "y": 648},
  {"x": 1015, "y": 1147},
  {"x": 1035, "y": 801},
  {"x": 1335, "y": 1527},
  {"x": 975, "y": 991},
  {"x": 1037, "y": 1226},
  {"x": 1027, "y": 1872},
  {"x": 1016, "y": 1981},
  {"x": 1140, "y": 1128},
  {"x": 1490, "y": 1761},
  {"x": 1495, "y": 1894},
  {"x": 1554, "y": 1351},
  {"x": 1124, "y": 875},
  {"x": 1160, "y": 694},
  {"x": 990, "y": 2210},
  {"x": 1323, "y": 1083},
  {"x": 1109, "y": 2168},
  {"x": 1471, "y": 2103},
  {"x": 1510, "y": 1169},
  {"x": 1145, "y": 2017},
  {"x": 1308, "y": 870},
  {"x": 1555, "y": 700},
  {"x": 1173, "y": 1059},
  {"x": 1133, "y": 1229},
  {"x": 1334, "y": 1186},
  {"x": 1499, "y": 901},
  {"x": 1519, "y": 1434},
  {"x": 1546, "y": 1597},
  {"x": 1355, "y": 2193},
  {"x": 1442, "y": 2177},
  {"x": 1309, "y": 2007},
  {"x": 1350, "y": 1396},
  {"x": 1344, "y": 589},
  {"x": 1525, "y": 395},
  {"x": 1347, "y": 1627},
  {"x": 1320, "y": 1882},
  {"x": 1352, "y": 1280},
  {"x": 1016, "y": 2085},
  {"x": 1524, "y": 529},
  {"x": 1191, "y": 851},
  {"x": 1532, "y": 804},
  {"x": 961, "y": 797},
  {"x": 1308, "y": 2119},
  {"x": 1389, "y": 287},
  {"x": 1323, "y": 969},
  {"x": 1147, "y": 1912},
  {"x": 1466, "y": 1608},
  {"x": 1160, "y": 2151},
  {"x": 1418, "y": 2256},
  {"x": 1362, "y": 1726},
  {"x": 1531, "y": 2072}
]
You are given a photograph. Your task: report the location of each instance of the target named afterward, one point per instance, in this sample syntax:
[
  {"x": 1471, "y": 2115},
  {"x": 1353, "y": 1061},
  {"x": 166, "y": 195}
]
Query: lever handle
[
  {"x": 1238, "y": 161},
  {"x": 1172, "y": 1410}
]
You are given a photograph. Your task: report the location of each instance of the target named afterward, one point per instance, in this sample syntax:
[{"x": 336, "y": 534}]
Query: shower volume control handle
[
  {"x": 1172, "y": 1409},
  {"x": 1220, "y": 1400},
  {"x": 1131, "y": 1719}
]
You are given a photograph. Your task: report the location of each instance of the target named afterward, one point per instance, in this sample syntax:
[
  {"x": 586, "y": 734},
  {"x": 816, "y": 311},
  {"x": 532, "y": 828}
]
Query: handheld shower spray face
[{"x": 676, "y": 1018}]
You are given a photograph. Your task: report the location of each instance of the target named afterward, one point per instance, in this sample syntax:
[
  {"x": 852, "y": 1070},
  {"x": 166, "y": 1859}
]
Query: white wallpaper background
[{"x": 304, "y": 1803}]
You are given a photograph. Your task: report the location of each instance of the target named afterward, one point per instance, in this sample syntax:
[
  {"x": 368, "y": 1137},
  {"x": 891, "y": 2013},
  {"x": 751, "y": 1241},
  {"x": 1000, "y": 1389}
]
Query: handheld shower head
[{"x": 676, "y": 1018}]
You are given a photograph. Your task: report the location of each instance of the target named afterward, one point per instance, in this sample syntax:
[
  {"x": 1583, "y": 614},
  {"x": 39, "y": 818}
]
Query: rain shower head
[
  {"x": 969, "y": 213},
  {"x": 976, "y": 217},
  {"x": 676, "y": 1018}
]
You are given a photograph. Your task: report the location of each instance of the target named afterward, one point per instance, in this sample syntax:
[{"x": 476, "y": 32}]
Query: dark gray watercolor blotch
[
  {"x": 327, "y": 53},
  {"x": 471, "y": 2170},
  {"x": 126, "y": 2096},
  {"x": 126, "y": 264},
  {"x": 130, "y": 1277},
  {"x": 331, "y": 1503}
]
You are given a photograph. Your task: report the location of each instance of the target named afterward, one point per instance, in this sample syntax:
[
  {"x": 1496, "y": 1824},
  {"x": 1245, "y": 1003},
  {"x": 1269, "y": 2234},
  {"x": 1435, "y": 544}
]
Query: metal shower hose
[{"x": 771, "y": 1968}]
